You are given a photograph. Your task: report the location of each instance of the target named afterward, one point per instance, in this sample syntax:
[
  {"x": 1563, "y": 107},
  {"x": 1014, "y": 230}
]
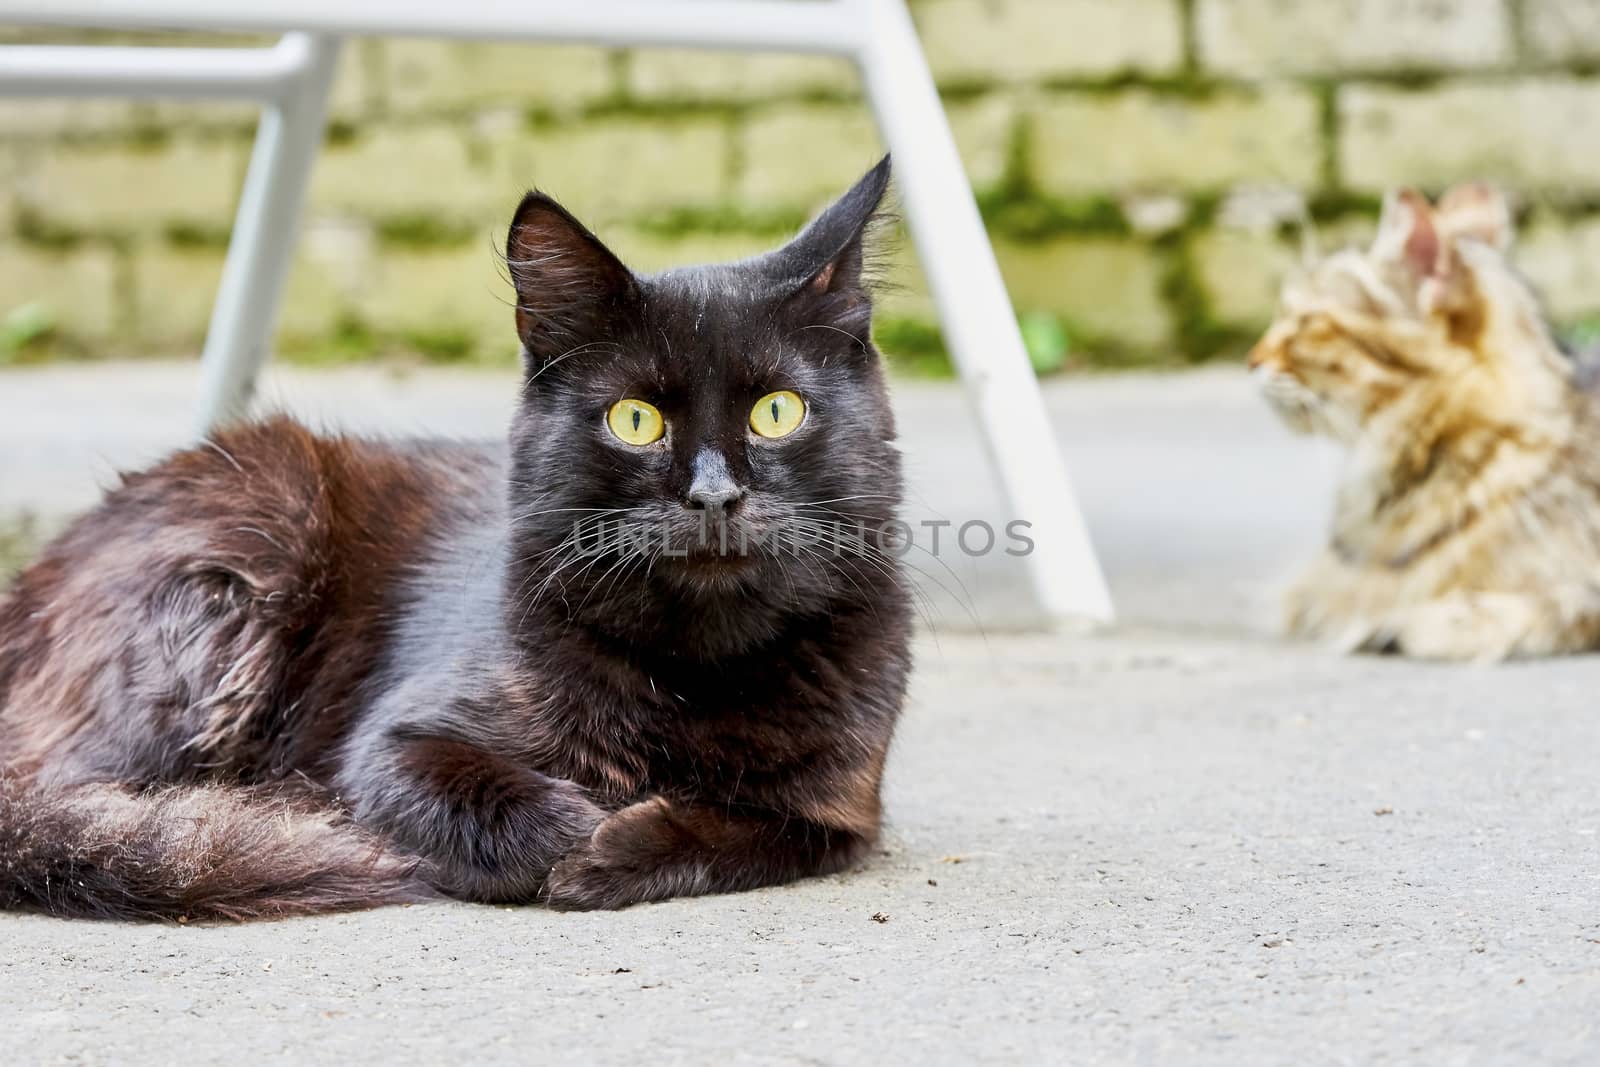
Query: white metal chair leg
[
  {"x": 263, "y": 241},
  {"x": 979, "y": 323}
]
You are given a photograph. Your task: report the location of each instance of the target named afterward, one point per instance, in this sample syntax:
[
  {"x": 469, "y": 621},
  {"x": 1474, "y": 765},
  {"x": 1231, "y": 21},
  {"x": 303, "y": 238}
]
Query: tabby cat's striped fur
[{"x": 1467, "y": 523}]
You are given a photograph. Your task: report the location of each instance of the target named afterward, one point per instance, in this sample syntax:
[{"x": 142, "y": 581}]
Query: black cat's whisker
[
  {"x": 921, "y": 602},
  {"x": 964, "y": 603},
  {"x": 523, "y": 517},
  {"x": 569, "y": 542},
  {"x": 624, "y": 563},
  {"x": 843, "y": 499},
  {"x": 822, "y": 572},
  {"x": 569, "y": 353},
  {"x": 812, "y": 555},
  {"x": 589, "y": 520},
  {"x": 624, "y": 537},
  {"x": 631, "y": 563},
  {"x": 823, "y": 326},
  {"x": 876, "y": 556},
  {"x": 553, "y": 581},
  {"x": 910, "y": 490},
  {"x": 575, "y": 548},
  {"x": 534, "y": 556},
  {"x": 629, "y": 555},
  {"x": 592, "y": 513},
  {"x": 530, "y": 600},
  {"x": 965, "y": 599},
  {"x": 868, "y": 522}
]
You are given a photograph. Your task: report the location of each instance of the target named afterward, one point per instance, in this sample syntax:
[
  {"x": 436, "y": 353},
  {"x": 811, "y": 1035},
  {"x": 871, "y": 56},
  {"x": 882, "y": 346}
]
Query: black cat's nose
[
  {"x": 712, "y": 487},
  {"x": 719, "y": 498}
]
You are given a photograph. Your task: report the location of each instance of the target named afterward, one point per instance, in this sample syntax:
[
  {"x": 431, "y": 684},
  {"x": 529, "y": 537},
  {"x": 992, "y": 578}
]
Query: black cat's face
[{"x": 718, "y": 433}]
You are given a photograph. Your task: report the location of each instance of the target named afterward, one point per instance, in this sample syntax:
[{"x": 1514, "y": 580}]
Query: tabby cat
[
  {"x": 1467, "y": 522},
  {"x": 648, "y": 647}
]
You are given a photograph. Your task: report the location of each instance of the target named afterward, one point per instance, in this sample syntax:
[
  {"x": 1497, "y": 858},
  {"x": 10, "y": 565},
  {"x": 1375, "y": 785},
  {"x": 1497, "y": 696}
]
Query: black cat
[{"x": 654, "y": 648}]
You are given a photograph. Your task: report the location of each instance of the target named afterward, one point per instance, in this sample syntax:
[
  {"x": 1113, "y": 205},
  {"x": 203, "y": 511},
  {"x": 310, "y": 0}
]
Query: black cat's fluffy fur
[{"x": 283, "y": 673}]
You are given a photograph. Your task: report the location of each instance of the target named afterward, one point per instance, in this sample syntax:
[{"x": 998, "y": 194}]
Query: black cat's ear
[
  {"x": 830, "y": 257},
  {"x": 570, "y": 288}
]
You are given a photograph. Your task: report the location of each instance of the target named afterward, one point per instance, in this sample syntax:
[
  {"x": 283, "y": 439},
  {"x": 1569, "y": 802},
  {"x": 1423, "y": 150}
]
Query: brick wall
[{"x": 1141, "y": 164}]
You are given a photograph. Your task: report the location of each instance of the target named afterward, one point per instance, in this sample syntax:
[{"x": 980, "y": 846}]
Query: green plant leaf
[
  {"x": 1046, "y": 340},
  {"x": 23, "y": 325}
]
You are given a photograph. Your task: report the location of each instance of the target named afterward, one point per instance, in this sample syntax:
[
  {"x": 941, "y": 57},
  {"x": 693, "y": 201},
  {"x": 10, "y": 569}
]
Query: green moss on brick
[
  {"x": 424, "y": 230},
  {"x": 148, "y": 137},
  {"x": 1570, "y": 205},
  {"x": 34, "y": 229},
  {"x": 669, "y": 107},
  {"x": 1415, "y": 79},
  {"x": 197, "y": 235},
  {"x": 1332, "y": 205},
  {"x": 340, "y": 132},
  {"x": 963, "y": 88},
  {"x": 441, "y": 345},
  {"x": 1016, "y": 208},
  {"x": 1188, "y": 28},
  {"x": 728, "y": 219},
  {"x": 1200, "y": 335},
  {"x": 1516, "y": 16},
  {"x": 1203, "y": 210},
  {"x": 350, "y": 339},
  {"x": 662, "y": 110},
  {"x": 1328, "y": 132},
  {"x": 913, "y": 347},
  {"x": 1038, "y": 218},
  {"x": 620, "y": 62},
  {"x": 1188, "y": 84}
]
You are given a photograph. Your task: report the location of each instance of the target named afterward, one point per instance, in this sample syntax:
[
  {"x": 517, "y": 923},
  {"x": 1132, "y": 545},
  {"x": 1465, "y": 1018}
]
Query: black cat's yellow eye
[
  {"x": 778, "y": 414},
  {"x": 635, "y": 422}
]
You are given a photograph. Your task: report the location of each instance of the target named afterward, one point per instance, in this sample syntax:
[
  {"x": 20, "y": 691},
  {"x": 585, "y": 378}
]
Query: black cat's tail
[{"x": 188, "y": 853}]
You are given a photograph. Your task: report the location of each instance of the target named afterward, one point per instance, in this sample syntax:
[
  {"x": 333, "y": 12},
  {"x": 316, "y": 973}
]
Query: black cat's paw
[
  {"x": 639, "y": 853},
  {"x": 585, "y": 881}
]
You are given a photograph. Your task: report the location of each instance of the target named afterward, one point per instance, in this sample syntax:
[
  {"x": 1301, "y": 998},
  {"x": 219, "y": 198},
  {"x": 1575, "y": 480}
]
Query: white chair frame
[{"x": 291, "y": 80}]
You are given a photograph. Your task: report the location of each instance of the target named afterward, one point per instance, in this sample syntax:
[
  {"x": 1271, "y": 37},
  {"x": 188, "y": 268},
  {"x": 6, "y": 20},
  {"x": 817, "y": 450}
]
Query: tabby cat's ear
[
  {"x": 1408, "y": 235},
  {"x": 828, "y": 262},
  {"x": 570, "y": 288},
  {"x": 1479, "y": 211},
  {"x": 1411, "y": 238}
]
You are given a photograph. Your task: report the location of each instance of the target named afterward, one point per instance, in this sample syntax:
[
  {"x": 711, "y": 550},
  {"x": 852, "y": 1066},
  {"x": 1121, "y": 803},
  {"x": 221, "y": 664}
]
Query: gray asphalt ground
[{"x": 1178, "y": 841}]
